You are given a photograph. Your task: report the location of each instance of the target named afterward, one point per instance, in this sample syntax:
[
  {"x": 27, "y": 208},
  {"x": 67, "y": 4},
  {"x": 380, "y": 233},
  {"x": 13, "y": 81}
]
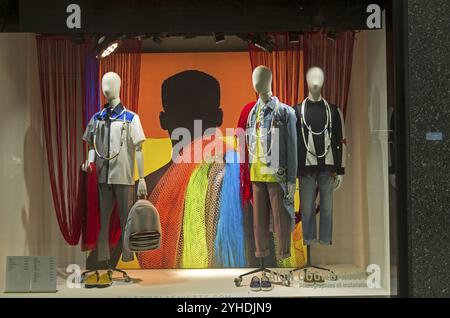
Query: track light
[
  {"x": 107, "y": 45},
  {"x": 158, "y": 38},
  {"x": 190, "y": 35},
  {"x": 331, "y": 35},
  {"x": 294, "y": 37},
  {"x": 263, "y": 41},
  {"x": 142, "y": 36},
  {"x": 219, "y": 37}
]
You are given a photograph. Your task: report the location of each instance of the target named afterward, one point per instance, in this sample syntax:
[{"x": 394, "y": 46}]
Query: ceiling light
[
  {"x": 109, "y": 50},
  {"x": 142, "y": 36},
  {"x": 332, "y": 36},
  {"x": 294, "y": 37},
  {"x": 263, "y": 41},
  {"x": 190, "y": 35},
  {"x": 107, "y": 45},
  {"x": 219, "y": 37},
  {"x": 158, "y": 38}
]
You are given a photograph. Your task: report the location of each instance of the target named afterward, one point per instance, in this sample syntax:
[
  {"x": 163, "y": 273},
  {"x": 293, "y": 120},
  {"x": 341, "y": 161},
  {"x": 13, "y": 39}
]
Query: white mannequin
[
  {"x": 315, "y": 79},
  {"x": 111, "y": 84},
  {"x": 262, "y": 84}
]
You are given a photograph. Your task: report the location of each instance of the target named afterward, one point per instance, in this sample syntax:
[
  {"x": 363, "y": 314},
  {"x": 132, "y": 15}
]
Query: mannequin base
[
  {"x": 285, "y": 279},
  {"x": 310, "y": 266}
]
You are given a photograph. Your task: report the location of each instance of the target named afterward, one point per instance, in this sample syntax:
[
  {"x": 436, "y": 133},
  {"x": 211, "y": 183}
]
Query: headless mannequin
[
  {"x": 111, "y": 84},
  {"x": 315, "y": 79},
  {"x": 262, "y": 84}
]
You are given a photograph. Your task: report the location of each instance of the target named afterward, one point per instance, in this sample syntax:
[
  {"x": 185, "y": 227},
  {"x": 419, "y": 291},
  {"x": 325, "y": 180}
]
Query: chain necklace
[
  {"x": 254, "y": 130},
  {"x": 328, "y": 127},
  {"x": 104, "y": 157}
]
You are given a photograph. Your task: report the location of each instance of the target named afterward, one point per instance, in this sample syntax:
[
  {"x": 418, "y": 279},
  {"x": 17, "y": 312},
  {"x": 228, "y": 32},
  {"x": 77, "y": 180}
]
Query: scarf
[
  {"x": 245, "y": 184},
  {"x": 168, "y": 197}
]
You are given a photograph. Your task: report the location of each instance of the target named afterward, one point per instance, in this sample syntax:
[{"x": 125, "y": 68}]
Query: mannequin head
[
  {"x": 111, "y": 86},
  {"x": 315, "y": 79},
  {"x": 262, "y": 82}
]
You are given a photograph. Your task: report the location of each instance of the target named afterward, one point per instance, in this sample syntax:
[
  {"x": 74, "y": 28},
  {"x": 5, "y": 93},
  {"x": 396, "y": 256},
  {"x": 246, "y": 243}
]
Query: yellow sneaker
[
  {"x": 105, "y": 280},
  {"x": 91, "y": 281}
]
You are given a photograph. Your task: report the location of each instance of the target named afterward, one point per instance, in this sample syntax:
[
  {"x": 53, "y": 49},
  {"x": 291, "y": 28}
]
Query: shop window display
[{"x": 262, "y": 166}]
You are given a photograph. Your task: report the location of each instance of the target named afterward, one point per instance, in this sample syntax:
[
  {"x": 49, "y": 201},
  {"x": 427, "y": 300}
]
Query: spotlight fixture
[
  {"x": 142, "y": 36},
  {"x": 190, "y": 35},
  {"x": 106, "y": 45},
  {"x": 294, "y": 37},
  {"x": 263, "y": 41},
  {"x": 158, "y": 38},
  {"x": 332, "y": 35},
  {"x": 219, "y": 37}
]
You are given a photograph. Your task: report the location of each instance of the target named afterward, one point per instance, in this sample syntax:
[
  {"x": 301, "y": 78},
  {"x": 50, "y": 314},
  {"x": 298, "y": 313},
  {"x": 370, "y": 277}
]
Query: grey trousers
[
  {"x": 308, "y": 186},
  {"x": 269, "y": 198},
  {"x": 108, "y": 195}
]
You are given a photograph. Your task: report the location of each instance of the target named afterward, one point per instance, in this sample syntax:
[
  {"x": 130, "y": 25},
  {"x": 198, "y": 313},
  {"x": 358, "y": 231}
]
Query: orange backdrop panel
[{"x": 232, "y": 70}]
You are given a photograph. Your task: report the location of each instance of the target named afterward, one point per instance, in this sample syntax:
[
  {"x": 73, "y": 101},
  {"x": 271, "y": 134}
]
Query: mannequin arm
[
  {"x": 341, "y": 138},
  {"x": 142, "y": 186},
  {"x": 292, "y": 160},
  {"x": 338, "y": 182},
  {"x": 342, "y": 150},
  {"x": 91, "y": 159}
]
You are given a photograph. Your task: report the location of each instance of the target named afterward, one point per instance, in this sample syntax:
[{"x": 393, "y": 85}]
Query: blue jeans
[{"x": 308, "y": 186}]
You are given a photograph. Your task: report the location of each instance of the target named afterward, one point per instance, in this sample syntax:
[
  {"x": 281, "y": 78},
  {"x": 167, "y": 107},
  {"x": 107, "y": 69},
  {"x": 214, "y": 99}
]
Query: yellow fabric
[
  {"x": 298, "y": 257},
  {"x": 195, "y": 248},
  {"x": 258, "y": 166}
]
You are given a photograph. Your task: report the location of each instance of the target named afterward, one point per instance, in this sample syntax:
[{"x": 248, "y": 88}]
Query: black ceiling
[{"x": 178, "y": 16}]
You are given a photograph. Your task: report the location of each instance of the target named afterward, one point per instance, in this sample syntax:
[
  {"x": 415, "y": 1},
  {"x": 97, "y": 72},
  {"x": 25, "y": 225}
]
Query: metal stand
[
  {"x": 284, "y": 278},
  {"x": 126, "y": 278},
  {"x": 309, "y": 266}
]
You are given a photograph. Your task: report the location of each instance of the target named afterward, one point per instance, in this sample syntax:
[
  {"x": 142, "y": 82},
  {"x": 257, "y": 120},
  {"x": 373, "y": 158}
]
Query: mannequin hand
[
  {"x": 291, "y": 189},
  {"x": 86, "y": 166},
  {"x": 338, "y": 182},
  {"x": 142, "y": 189}
]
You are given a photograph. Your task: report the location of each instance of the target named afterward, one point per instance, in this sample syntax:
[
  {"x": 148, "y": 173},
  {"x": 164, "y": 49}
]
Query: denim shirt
[{"x": 278, "y": 142}]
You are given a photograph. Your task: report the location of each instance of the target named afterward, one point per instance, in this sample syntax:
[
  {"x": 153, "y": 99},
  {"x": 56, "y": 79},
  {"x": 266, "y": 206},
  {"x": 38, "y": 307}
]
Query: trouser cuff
[
  {"x": 262, "y": 254},
  {"x": 328, "y": 243},
  {"x": 310, "y": 242}
]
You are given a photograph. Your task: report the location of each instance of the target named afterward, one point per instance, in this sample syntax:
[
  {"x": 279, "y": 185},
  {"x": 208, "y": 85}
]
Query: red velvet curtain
[
  {"x": 286, "y": 63},
  {"x": 335, "y": 57},
  {"x": 60, "y": 84},
  {"x": 126, "y": 63}
]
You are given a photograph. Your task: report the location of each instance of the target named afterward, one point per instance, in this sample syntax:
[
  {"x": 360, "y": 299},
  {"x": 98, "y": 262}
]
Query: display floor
[{"x": 217, "y": 283}]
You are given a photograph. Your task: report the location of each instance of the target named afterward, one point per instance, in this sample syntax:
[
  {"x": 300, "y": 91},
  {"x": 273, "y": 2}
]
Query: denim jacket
[{"x": 278, "y": 142}]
